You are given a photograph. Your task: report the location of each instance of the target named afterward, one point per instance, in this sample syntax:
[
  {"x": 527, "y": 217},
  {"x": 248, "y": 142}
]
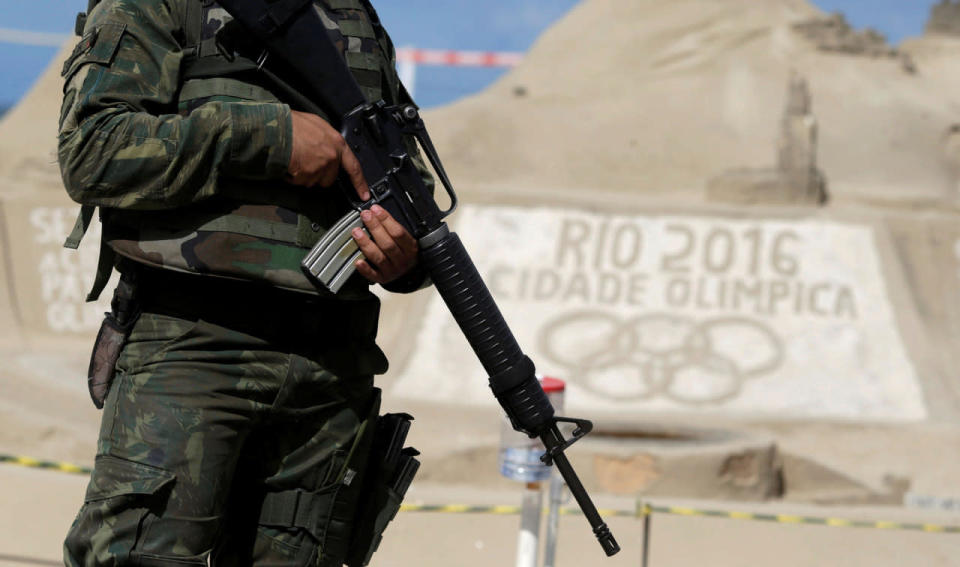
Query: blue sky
[{"x": 503, "y": 25}]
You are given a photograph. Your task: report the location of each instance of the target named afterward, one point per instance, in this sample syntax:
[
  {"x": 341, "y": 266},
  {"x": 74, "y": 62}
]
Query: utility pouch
[
  {"x": 328, "y": 513},
  {"x": 110, "y": 340},
  {"x": 392, "y": 470}
]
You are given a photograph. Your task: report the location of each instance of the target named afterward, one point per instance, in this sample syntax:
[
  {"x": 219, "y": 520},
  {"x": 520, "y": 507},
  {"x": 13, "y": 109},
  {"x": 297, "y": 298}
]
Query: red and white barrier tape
[
  {"x": 458, "y": 58},
  {"x": 404, "y": 54}
]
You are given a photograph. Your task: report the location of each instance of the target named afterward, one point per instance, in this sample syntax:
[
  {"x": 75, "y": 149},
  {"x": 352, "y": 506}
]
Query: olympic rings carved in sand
[{"x": 661, "y": 355}]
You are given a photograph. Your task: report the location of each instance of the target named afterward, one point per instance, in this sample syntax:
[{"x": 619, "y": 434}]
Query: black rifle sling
[{"x": 294, "y": 32}]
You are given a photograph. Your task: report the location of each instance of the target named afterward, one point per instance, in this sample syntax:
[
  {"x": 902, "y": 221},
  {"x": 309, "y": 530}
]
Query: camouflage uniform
[{"x": 239, "y": 421}]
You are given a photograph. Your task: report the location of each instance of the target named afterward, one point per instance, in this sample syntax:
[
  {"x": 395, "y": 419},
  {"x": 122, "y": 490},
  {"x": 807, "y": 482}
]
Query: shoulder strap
[
  {"x": 107, "y": 255},
  {"x": 80, "y": 227}
]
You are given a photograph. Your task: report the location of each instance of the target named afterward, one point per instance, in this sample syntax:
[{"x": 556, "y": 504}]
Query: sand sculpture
[
  {"x": 626, "y": 141},
  {"x": 834, "y": 33},
  {"x": 945, "y": 18},
  {"x": 694, "y": 91},
  {"x": 796, "y": 178},
  {"x": 615, "y": 129}
]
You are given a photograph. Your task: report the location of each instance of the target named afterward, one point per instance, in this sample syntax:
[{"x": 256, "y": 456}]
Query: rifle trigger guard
[{"x": 584, "y": 427}]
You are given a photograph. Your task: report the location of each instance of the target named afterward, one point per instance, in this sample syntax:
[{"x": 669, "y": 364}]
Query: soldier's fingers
[
  {"x": 397, "y": 231},
  {"x": 368, "y": 272},
  {"x": 384, "y": 241},
  {"x": 351, "y": 165},
  {"x": 370, "y": 249}
]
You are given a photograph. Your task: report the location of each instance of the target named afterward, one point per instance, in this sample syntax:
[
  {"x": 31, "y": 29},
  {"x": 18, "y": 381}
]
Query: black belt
[{"x": 254, "y": 308}]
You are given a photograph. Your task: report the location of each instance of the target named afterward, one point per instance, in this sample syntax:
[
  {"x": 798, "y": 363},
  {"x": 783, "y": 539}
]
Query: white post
[
  {"x": 407, "y": 71},
  {"x": 553, "y": 519},
  {"x": 520, "y": 460},
  {"x": 528, "y": 543}
]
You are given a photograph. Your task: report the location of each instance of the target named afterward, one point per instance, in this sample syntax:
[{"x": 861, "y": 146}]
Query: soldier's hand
[
  {"x": 391, "y": 253},
  {"x": 319, "y": 152}
]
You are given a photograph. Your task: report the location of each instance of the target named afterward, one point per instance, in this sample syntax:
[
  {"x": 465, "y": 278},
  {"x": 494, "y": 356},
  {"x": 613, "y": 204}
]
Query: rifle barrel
[{"x": 553, "y": 438}]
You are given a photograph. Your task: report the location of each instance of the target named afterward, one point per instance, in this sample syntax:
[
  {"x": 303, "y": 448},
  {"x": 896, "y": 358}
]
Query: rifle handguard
[
  {"x": 522, "y": 398},
  {"x": 512, "y": 374}
]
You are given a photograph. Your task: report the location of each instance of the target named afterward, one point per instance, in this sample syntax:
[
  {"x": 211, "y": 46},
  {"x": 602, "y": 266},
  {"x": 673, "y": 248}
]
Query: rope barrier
[
  {"x": 501, "y": 510},
  {"x": 50, "y": 465},
  {"x": 643, "y": 510}
]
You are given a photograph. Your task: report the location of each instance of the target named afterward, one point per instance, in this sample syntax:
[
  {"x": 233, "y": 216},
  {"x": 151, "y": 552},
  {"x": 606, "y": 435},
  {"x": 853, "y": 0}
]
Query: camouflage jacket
[{"x": 184, "y": 151}]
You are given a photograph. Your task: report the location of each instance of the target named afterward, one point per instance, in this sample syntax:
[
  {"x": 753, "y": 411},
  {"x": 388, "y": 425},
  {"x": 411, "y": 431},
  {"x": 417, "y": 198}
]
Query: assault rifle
[{"x": 292, "y": 31}]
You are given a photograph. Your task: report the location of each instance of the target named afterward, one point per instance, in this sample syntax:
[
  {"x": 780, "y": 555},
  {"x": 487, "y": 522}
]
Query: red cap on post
[{"x": 552, "y": 385}]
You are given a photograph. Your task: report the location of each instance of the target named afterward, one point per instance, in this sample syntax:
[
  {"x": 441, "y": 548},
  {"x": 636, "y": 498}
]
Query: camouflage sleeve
[{"x": 121, "y": 143}]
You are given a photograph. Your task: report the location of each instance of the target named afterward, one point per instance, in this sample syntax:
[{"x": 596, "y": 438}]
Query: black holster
[
  {"x": 392, "y": 468},
  {"x": 111, "y": 338}
]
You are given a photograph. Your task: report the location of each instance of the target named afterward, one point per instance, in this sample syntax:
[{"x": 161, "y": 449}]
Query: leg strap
[{"x": 297, "y": 509}]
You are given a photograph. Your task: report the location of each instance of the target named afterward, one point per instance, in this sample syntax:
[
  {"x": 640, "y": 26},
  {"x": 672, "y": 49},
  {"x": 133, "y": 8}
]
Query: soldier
[{"x": 238, "y": 422}]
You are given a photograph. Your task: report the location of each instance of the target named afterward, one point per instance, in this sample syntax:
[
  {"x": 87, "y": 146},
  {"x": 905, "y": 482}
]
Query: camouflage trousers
[{"x": 202, "y": 428}]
